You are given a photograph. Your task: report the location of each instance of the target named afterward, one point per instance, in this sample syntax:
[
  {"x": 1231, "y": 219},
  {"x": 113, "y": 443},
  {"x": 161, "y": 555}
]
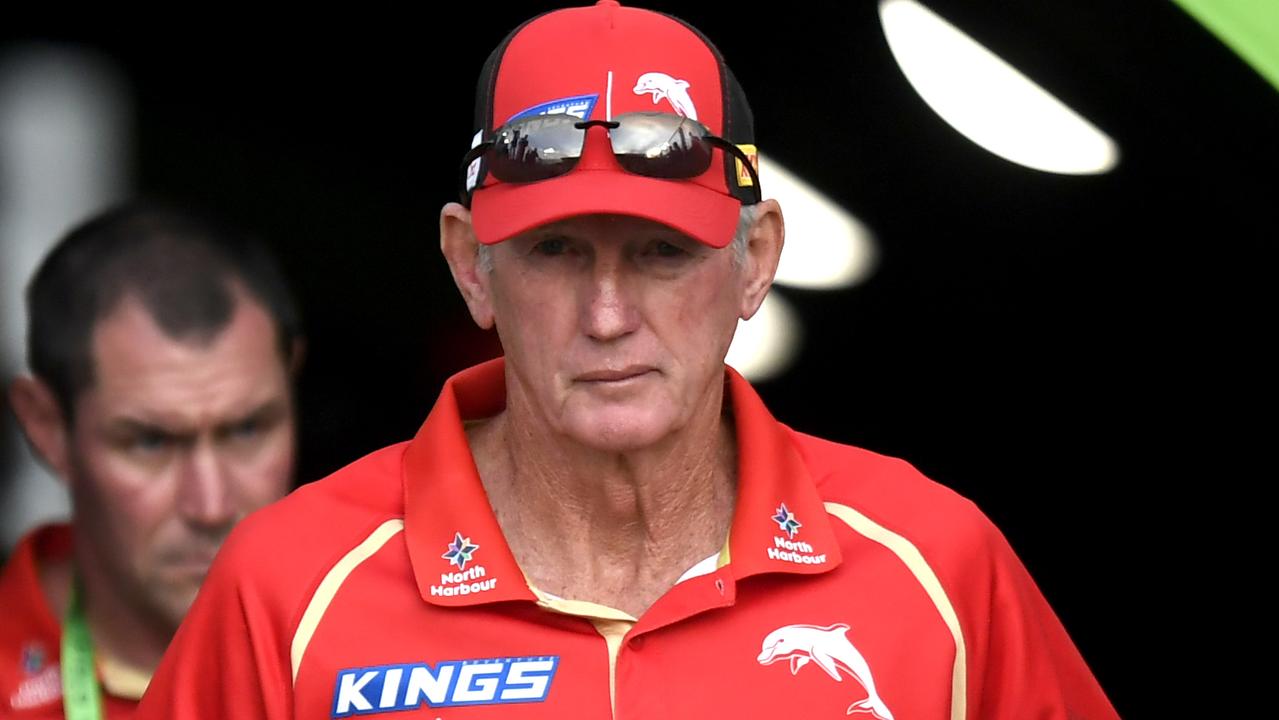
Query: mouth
[
  {"x": 196, "y": 562},
  {"x": 191, "y": 565},
  {"x": 629, "y": 372},
  {"x": 184, "y": 575}
]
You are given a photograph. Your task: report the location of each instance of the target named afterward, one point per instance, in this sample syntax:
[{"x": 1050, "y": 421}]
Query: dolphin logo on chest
[
  {"x": 829, "y": 649},
  {"x": 663, "y": 86}
]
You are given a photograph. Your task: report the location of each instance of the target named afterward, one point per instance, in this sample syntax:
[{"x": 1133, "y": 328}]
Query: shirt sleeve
[
  {"x": 1023, "y": 664},
  {"x": 230, "y": 657}
]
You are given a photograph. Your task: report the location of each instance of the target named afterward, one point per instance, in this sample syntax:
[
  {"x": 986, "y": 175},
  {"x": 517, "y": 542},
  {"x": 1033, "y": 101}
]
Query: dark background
[{"x": 1076, "y": 354}]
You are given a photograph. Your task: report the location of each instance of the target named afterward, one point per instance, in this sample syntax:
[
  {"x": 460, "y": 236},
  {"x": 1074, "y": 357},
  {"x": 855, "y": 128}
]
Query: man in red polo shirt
[
  {"x": 608, "y": 522},
  {"x": 161, "y": 351}
]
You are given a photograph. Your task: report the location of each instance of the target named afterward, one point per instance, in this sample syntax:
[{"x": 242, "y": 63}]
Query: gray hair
[
  {"x": 741, "y": 240},
  {"x": 742, "y": 235},
  {"x": 484, "y": 258}
]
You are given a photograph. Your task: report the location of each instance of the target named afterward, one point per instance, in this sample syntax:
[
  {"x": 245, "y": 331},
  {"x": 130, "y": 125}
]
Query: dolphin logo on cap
[
  {"x": 674, "y": 91},
  {"x": 829, "y": 649}
]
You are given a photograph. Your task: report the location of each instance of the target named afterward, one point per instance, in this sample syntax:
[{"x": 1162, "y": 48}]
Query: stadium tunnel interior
[{"x": 1067, "y": 350}]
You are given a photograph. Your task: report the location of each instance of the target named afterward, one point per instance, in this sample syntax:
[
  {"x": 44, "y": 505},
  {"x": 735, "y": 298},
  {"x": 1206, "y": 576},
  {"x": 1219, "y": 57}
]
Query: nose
[
  {"x": 204, "y": 495},
  {"x": 610, "y": 312}
]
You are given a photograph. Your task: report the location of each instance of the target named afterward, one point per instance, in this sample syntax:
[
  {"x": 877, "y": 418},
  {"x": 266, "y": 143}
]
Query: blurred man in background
[{"x": 162, "y": 352}]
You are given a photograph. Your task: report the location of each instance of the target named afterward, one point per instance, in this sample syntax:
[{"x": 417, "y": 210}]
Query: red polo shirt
[
  {"x": 849, "y": 584},
  {"x": 31, "y": 639}
]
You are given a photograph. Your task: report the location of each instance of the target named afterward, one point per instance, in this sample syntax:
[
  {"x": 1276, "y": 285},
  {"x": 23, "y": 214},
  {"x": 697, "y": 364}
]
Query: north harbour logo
[
  {"x": 800, "y": 552},
  {"x": 787, "y": 521},
  {"x": 465, "y": 580},
  {"x": 460, "y": 551},
  {"x": 491, "y": 681},
  {"x": 788, "y": 549}
]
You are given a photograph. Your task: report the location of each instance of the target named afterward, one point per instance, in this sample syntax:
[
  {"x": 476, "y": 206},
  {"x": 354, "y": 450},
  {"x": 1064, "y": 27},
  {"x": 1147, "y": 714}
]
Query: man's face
[
  {"x": 614, "y": 328},
  {"x": 172, "y": 444}
]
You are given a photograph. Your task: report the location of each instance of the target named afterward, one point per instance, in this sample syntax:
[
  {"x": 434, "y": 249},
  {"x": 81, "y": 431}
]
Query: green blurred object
[{"x": 1249, "y": 27}]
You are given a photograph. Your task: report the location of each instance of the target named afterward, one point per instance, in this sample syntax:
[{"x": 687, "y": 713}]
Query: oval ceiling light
[
  {"x": 826, "y": 247},
  {"x": 766, "y": 345},
  {"x": 989, "y": 101}
]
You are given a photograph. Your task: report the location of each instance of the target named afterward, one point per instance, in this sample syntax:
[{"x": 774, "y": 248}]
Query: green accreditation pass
[{"x": 81, "y": 696}]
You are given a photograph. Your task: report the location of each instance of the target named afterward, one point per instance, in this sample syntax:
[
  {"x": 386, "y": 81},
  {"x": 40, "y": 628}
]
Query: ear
[
  {"x": 763, "y": 250},
  {"x": 458, "y": 243},
  {"x": 40, "y": 418}
]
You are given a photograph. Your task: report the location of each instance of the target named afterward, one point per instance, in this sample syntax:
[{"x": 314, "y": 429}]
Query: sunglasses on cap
[{"x": 656, "y": 145}]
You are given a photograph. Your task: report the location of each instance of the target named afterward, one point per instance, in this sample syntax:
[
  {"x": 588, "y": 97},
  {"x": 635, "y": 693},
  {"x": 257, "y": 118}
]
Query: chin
[
  {"x": 619, "y": 430},
  {"x": 172, "y": 603}
]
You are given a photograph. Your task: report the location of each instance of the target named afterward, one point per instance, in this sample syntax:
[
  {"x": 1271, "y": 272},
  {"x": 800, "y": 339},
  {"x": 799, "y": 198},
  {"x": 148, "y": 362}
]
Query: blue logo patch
[
  {"x": 492, "y": 681},
  {"x": 785, "y": 520},
  {"x": 579, "y": 106},
  {"x": 33, "y": 657},
  {"x": 460, "y": 551}
]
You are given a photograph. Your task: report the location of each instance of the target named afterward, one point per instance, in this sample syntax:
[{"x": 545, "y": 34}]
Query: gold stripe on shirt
[
  {"x": 915, "y": 562},
  {"x": 332, "y": 582}
]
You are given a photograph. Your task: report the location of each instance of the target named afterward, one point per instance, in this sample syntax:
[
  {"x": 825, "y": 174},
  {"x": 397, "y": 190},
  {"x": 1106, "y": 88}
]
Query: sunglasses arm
[
  {"x": 474, "y": 154},
  {"x": 736, "y": 152}
]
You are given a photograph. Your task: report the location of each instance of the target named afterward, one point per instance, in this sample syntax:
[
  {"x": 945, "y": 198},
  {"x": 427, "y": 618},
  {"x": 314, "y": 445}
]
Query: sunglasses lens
[
  {"x": 661, "y": 145},
  {"x": 536, "y": 148}
]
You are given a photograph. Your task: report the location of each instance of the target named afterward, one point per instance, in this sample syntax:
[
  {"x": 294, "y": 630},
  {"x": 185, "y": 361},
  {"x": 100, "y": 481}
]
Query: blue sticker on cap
[{"x": 579, "y": 106}]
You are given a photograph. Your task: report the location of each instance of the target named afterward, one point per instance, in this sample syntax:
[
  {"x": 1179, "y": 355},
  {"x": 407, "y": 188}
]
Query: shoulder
[
  {"x": 280, "y": 550},
  {"x": 889, "y": 485},
  {"x": 372, "y": 485},
  {"x": 22, "y": 599},
  {"x": 894, "y": 495},
  {"x": 946, "y": 541},
  {"x": 29, "y": 633}
]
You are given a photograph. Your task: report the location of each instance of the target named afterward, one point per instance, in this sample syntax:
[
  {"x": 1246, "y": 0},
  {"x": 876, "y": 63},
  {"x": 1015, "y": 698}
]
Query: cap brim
[{"x": 504, "y": 210}]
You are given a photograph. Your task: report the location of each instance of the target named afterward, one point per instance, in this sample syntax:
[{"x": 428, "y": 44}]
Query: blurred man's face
[
  {"x": 614, "y": 328},
  {"x": 172, "y": 444}
]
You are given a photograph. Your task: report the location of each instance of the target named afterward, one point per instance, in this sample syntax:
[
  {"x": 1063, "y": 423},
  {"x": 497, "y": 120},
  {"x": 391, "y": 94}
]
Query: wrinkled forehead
[{"x": 137, "y": 364}]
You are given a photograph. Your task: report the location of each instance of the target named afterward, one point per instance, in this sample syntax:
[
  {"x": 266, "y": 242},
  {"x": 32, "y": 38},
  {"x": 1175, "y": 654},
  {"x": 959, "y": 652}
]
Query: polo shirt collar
[
  {"x": 456, "y": 547},
  {"x": 780, "y": 523},
  {"x": 460, "y": 557}
]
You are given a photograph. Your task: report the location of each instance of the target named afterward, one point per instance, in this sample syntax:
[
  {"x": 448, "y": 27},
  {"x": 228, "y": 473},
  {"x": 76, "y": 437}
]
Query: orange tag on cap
[{"x": 744, "y": 175}]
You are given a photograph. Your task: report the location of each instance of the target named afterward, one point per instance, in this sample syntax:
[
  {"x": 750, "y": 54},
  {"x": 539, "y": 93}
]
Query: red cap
[{"x": 599, "y": 62}]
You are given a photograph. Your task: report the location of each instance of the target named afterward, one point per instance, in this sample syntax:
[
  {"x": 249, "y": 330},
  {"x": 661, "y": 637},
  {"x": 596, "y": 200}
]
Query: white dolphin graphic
[
  {"x": 829, "y": 649},
  {"x": 661, "y": 86}
]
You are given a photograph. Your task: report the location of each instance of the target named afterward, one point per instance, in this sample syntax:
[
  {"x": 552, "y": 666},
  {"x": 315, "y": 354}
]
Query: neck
[
  {"x": 617, "y": 528},
  {"x": 119, "y": 631}
]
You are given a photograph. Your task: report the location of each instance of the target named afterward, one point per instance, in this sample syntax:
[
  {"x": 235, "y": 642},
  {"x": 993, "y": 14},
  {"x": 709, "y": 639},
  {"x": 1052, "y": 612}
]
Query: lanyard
[{"x": 81, "y": 698}]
